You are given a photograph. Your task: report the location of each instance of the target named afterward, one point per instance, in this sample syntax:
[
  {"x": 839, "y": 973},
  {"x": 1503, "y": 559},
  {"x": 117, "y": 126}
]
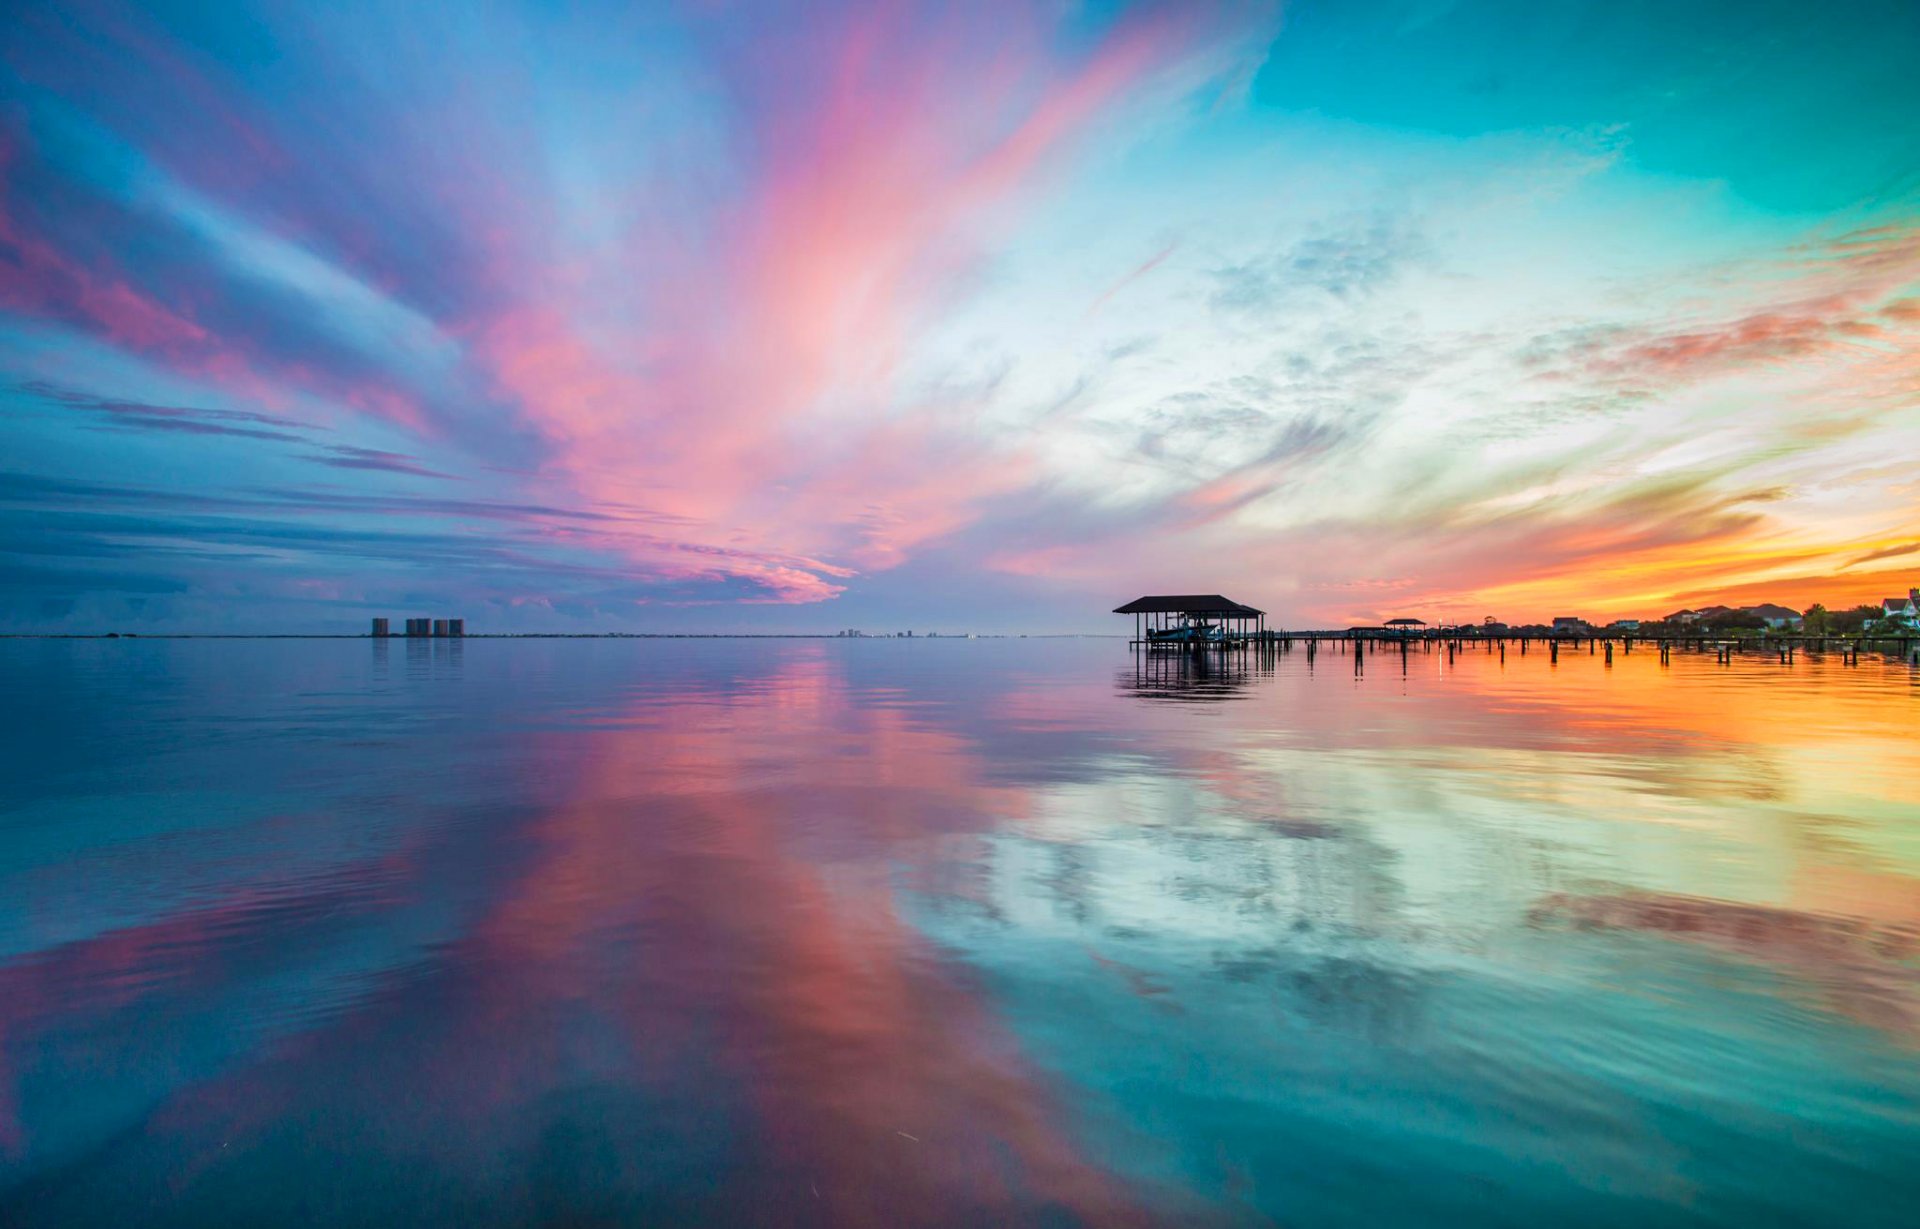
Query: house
[
  {"x": 1625, "y": 625},
  {"x": 1776, "y": 617},
  {"x": 1566, "y": 623},
  {"x": 1905, "y": 610},
  {"x": 1706, "y": 614}
]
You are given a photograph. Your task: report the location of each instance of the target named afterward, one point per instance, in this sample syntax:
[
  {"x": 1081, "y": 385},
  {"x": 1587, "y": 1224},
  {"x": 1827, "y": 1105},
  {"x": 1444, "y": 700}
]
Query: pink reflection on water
[{"x": 715, "y": 905}]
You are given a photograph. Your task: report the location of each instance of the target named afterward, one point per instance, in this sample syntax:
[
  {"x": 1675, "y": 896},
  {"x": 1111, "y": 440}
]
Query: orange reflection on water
[{"x": 1793, "y": 788}]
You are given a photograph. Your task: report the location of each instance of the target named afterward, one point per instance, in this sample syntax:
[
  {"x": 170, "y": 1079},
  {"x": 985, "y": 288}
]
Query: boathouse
[{"x": 1156, "y": 618}]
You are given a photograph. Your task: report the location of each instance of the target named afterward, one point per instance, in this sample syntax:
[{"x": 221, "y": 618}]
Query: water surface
[{"x": 952, "y": 932}]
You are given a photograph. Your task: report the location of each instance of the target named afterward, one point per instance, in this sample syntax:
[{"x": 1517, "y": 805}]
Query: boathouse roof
[
  {"x": 1406, "y": 622},
  {"x": 1186, "y": 603}
]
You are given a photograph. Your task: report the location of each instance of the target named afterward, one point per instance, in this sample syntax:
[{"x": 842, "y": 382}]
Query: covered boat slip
[{"x": 1193, "y": 621}]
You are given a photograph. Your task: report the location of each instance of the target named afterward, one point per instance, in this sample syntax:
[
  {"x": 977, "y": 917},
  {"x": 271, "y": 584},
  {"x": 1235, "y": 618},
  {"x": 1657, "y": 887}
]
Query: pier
[{"x": 1212, "y": 623}]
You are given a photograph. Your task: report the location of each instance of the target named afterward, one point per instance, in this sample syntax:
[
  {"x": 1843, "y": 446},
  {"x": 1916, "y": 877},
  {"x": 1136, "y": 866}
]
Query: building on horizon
[
  {"x": 426, "y": 627},
  {"x": 381, "y": 628}
]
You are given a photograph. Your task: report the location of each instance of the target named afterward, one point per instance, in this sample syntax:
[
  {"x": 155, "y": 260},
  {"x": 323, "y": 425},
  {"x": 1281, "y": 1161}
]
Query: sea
[{"x": 898, "y": 932}]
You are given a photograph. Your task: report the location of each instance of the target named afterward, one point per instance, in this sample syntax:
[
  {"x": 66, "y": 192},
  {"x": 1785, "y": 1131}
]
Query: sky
[{"x": 797, "y": 317}]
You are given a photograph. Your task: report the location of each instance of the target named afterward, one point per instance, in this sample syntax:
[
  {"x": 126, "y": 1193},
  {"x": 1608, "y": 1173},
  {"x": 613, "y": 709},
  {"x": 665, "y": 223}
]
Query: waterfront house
[
  {"x": 1779, "y": 618},
  {"x": 1902, "y": 611},
  {"x": 1567, "y": 623}
]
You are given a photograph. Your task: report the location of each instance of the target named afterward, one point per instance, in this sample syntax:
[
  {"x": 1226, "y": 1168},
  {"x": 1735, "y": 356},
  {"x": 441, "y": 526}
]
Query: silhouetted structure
[
  {"x": 429, "y": 628},
  {"x": 1192, "y": 620}
]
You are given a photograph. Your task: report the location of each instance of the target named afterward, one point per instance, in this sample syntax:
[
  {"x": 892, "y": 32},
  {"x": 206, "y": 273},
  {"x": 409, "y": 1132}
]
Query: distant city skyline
[{"x": 772, "y": 318}]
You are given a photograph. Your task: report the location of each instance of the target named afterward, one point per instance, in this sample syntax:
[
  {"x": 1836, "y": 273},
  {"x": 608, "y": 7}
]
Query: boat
[{"x": 1196, "y": 633}]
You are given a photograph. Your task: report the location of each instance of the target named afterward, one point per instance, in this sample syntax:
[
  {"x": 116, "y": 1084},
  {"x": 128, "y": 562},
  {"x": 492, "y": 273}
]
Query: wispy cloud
[
  {"x": 1360, "y": 257},
  {"x": 346, "y": 456},
  {"x": 1885, "y": 552},
  {"x": 140, "y": 416}
]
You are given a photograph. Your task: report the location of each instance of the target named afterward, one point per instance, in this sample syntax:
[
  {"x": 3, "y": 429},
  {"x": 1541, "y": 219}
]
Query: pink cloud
[
  {"x": 1758, "y": 338},
  {"x": 37, "y": 280},
  {"x": 747, "y": 400}
]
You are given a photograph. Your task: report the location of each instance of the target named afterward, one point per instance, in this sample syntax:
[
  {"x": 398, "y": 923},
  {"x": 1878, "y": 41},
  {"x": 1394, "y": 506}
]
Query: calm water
[{"x": 894, "y": 933}]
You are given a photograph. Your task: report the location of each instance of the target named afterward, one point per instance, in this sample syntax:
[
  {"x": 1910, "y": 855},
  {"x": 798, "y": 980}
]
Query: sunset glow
[{"x": 800, "y": 317}]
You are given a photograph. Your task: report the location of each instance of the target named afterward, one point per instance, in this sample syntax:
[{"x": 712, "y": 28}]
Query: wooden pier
[{"x": 1217, "y": 624}]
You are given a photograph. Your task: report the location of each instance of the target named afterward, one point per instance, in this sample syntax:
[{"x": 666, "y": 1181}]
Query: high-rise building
[
  {"x": 439, "y": 627},
  {"x": 456, "y": 627},
  {"x": 380, "y": 627}
]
